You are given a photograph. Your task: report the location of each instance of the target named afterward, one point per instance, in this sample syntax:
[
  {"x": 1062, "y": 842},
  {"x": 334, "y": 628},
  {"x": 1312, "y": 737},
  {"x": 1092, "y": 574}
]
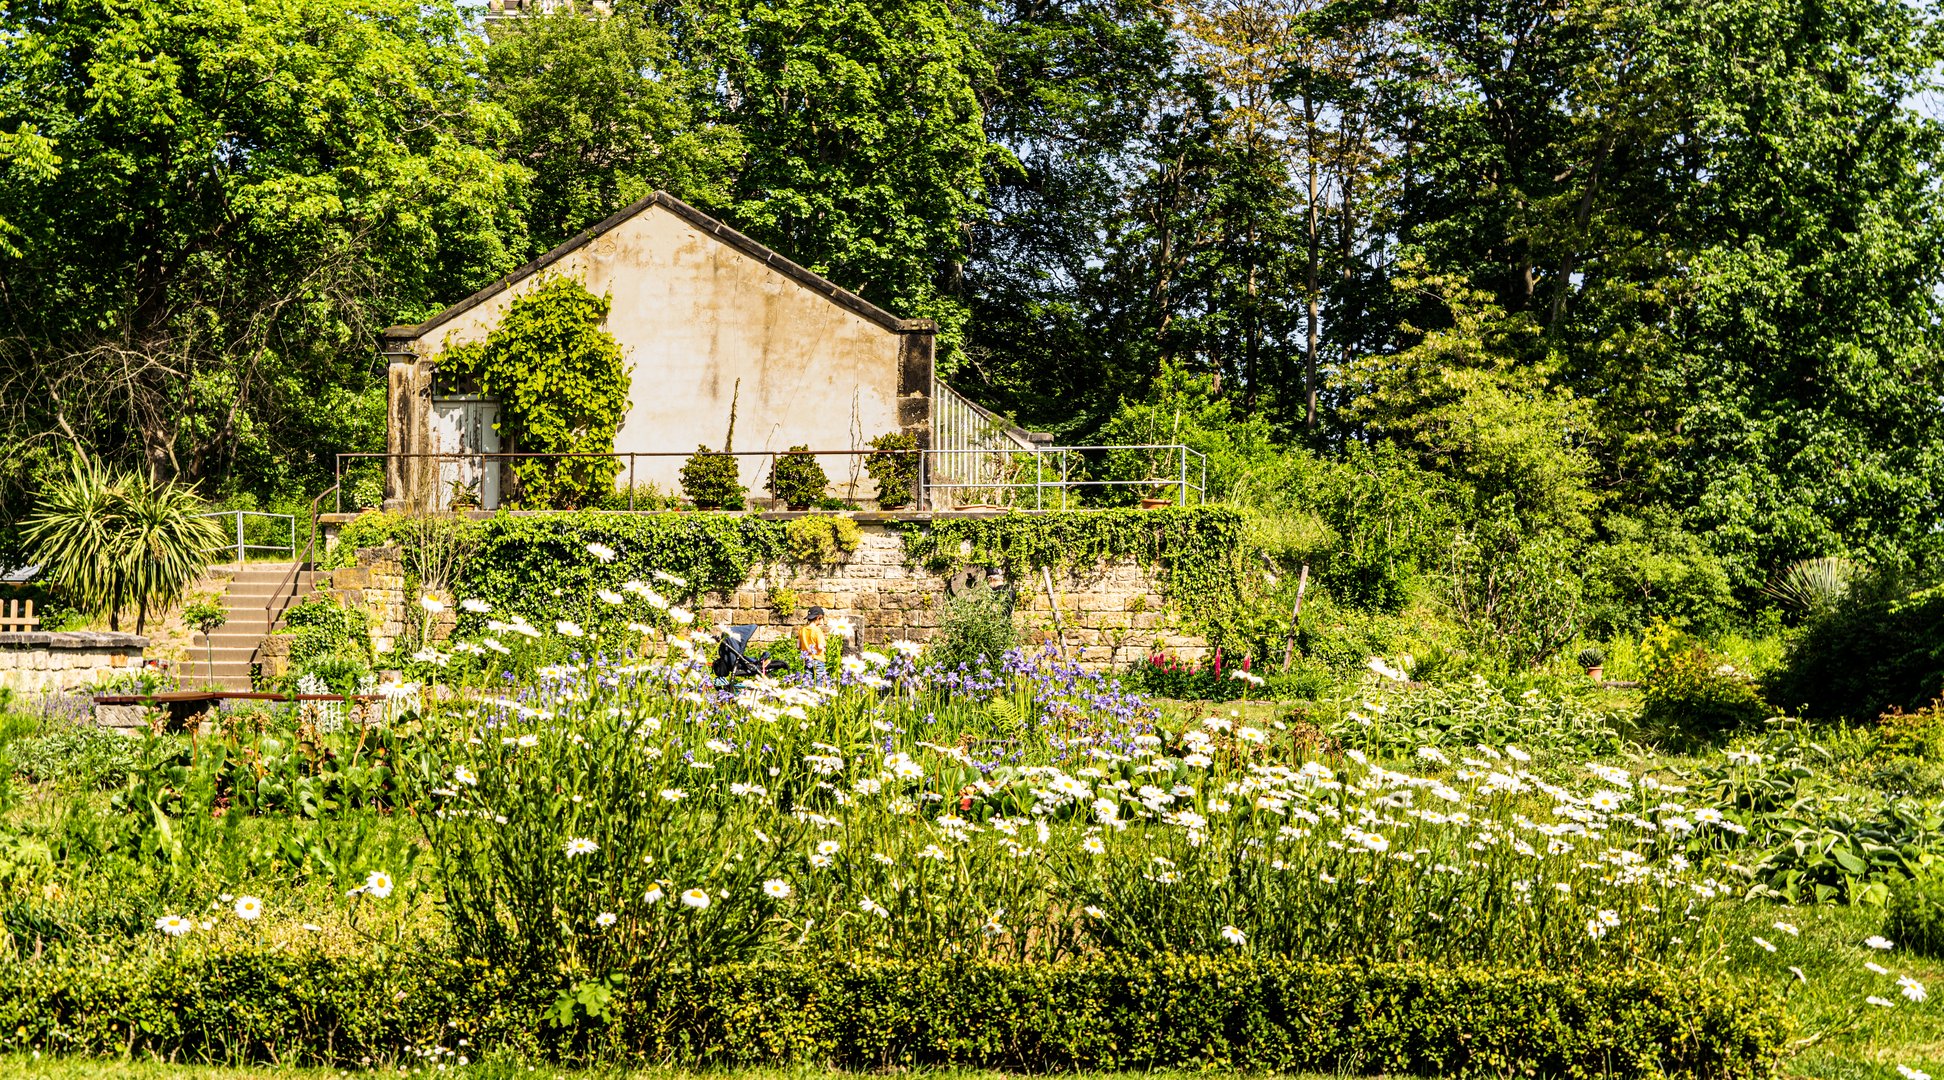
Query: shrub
[
  {"x": 1915, "y": 734},
  {"x": 83, "y": 756},
  {"x": 1814, "y": 586},
  {"x": 327, "y": 634},
  {"x": 712, "y": 481},
  {"x": 797, "y": 479},
  {"x": 823, "y": 539},
  {"x": 1591, "y": 657},
  {"x": 1914, "y": 918},
  {"x": 1513, "y": 590},
  {"x": 1686, "y": 689},
  {"x": 895, "y": 474},
  {"x": 1106, "y": 1014},
  {"x": 975, "y": 627},
  {"x": 1648, "y": 569},
  {"x": 783, "y": 601},
  {"x": 1163, "y": 675},
  {"x": 1880, "y": 647}
]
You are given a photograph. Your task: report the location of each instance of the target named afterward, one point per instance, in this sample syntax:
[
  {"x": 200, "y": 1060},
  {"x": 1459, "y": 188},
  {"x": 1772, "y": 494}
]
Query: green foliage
[
  {"x": 1162, "y": 675},
  {"x": 1514, "y": 591},
  {"x": 604, "y": 115},
  {"x": 529, "y": 564},
  {"x": 1194, "y": 549},
  {"x": 1382, "y": 524},
  {"x": 327, "y": 633},
  {"x": 1687, "y": 692},
  {"x": 1477, "y": 401},
  {"x": 1648, "y": 568},
  {"x": 865, "y": 155},
  {"x": 1464, "y": 715},
  {"x": 108, "y": 540},
  {"x": 1804, "y": 836},
  {"x": 1916, "y": 734},
  {"x": 975, "y": 629},
  {"x": 1914, "y": 918},
  {"x": 1882, "y": 647},
  {"x": 822, "y": 539},
  {"x": 895, "y": 471},
  {"x": 201, "y": 276},
  {"x": 712, "y": 481},
  {"x": 1182, "y": 408},
  {"x": 797, "y": 479},
  {"x": 205, "y": 613},
  {"x": 81, "y": 756},
  {"x": 1591, "y": 657},
  {"x": 562, "y": 386},
  {"x": 1106, "y": 1014},
  {"x": 782, "y": 601},
  {"x": 370, "y": 529}
]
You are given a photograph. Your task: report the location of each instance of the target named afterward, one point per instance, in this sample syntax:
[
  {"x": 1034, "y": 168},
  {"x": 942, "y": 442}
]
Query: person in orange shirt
[{"x": 813, "y": 637}]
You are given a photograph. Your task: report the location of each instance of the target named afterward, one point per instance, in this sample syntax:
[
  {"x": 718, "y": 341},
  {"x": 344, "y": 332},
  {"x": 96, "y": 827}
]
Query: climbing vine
[
  {"x": 1196, "y": 550},
  {"x": 562, "y": 386}
]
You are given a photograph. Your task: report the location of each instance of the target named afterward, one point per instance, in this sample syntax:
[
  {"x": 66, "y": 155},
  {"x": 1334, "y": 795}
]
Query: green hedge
[{"x": 1103, "y": 1014}]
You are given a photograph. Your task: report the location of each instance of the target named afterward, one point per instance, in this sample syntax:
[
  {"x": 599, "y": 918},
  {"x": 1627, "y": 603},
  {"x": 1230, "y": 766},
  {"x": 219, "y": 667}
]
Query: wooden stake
[{"x": 1295, "y": 613}]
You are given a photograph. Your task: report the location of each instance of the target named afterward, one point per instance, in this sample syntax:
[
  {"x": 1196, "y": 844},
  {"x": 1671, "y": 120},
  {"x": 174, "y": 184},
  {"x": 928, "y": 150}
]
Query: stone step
[{"x": 262, "y": 590}]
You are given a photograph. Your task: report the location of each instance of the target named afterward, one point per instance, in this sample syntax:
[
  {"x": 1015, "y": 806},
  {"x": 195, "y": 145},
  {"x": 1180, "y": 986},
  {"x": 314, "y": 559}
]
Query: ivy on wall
[
  {"x": 546, "y": 566},
  {"x": 543, "y": 566},
  {"x": 1196, "y": 551},
  {"x": 562, "y": 386}
]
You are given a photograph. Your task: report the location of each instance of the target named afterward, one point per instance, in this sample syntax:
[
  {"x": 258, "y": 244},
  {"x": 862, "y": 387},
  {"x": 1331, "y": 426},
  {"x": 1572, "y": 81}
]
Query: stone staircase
[{"x": 236, "y": 641}]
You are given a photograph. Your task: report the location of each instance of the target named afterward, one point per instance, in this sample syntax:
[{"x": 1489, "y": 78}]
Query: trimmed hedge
[{"x": 1236, "y": 1013}]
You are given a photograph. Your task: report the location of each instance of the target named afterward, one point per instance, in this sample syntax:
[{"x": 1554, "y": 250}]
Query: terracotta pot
[
  {"x": 1153, "y": 502},
  {"x": 1595, "y": 673}
]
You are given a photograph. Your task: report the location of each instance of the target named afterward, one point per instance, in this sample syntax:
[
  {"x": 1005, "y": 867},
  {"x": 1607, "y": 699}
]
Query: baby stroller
[{"x": 732, "y": 659}]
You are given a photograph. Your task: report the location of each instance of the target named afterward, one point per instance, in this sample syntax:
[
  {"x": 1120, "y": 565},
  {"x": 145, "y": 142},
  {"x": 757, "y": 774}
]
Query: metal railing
[
  {"x": 1005, "y": 477},
  {"x": 1011, "y": 476},
  {"x": 289, "y": 548},
  {"x": 286, "y": 590}
]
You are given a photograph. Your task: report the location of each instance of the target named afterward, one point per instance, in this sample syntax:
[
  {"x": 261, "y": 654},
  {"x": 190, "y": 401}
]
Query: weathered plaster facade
[{"x": 706, "y": 316}]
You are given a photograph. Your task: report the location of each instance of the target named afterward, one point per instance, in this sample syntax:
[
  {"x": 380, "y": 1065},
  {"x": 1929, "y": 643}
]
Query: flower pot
[
  {"x": 1595, "y": 673},
  {"x": 1155, "y": 502}
]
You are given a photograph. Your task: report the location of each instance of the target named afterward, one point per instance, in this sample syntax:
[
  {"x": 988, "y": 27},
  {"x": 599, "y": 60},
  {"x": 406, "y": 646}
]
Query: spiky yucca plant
[
  {"x": 108, "y": 540},
  {"x": 1814, "y": 585}
]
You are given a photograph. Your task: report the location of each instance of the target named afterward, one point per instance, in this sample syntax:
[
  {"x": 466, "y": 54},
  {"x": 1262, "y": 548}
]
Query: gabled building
[{"x": 706, "y": 317}]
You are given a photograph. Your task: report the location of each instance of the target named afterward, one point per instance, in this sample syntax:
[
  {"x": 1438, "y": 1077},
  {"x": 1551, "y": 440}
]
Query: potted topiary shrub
[
  {"x": 894, "y": 469},
  {"x": 1591, "y": 658},
  {"x": 711, "y": 480},
  {"x": 797, "y": 479}
]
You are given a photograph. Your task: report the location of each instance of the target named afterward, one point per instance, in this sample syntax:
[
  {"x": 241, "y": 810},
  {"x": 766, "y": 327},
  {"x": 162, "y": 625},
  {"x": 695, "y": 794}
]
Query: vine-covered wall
[{"x": 1122, "y": 581}]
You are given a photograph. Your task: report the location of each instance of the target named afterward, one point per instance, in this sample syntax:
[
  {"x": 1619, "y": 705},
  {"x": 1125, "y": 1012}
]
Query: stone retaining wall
[
  {"x": 1109, "y": 617},
  {"x": 52, "y": 662}
]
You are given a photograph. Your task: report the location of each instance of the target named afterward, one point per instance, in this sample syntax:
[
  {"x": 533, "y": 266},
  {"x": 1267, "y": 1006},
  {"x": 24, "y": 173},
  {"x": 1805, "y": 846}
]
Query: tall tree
[
  {"x": 246, "y": 192},
  {"x": 605, "y": 115}
]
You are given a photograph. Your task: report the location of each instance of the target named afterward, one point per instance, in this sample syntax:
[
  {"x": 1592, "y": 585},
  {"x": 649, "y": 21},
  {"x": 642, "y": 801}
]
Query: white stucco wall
[{"x": 694, "y": 315}]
